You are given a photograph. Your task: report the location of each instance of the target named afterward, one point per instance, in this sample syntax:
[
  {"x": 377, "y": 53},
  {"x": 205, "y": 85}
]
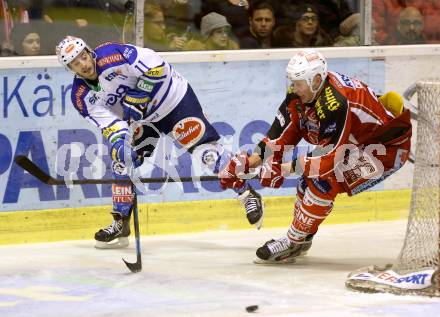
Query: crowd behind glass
[{"x": 33, "y": 27}]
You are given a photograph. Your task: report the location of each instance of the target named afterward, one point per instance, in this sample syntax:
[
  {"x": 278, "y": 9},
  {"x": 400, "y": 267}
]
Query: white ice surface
[{"x": 206, "y": 274}]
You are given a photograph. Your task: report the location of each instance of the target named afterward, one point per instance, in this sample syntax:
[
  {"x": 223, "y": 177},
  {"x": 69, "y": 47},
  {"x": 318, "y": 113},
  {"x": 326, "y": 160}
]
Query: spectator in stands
[
  {"x": 261, "y": 25},
  {"x": 235, "y": 11},
  {"x": 331, "y": 13},
  {"x": 350, "y": 31},
  {"x": 154, "y": 28},
  {"x": 386, "y": 15},
  {"x": 216, "y": 31},
  {"x": 6, "y": 49},
  {"x": 26, "y": 39},
  {"x": 155, "y": 35},
  {"x": 307, "y": 31},
  {"x": 178, "y": 14},
  {"x": 94, "y": 21},
  {"x": 409, "y": 28}
]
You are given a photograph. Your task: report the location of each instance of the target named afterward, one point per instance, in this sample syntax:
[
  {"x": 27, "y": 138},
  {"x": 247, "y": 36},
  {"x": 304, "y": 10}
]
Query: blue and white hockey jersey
[{"x": 119, "y": 67}]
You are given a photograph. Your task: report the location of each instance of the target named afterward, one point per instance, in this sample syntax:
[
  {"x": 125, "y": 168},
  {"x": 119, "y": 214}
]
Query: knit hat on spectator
[
  {"x": 19, "y": 32},
  {"x": 211, "y": 22},
  {"x": 301, "y": 10}
]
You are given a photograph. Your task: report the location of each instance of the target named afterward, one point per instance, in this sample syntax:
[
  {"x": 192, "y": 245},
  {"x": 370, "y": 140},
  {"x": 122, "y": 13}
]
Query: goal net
[{"x": 416, "y": 269}]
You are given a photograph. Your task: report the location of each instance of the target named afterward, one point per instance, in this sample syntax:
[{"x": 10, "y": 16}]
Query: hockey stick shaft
[
  {"x": 137, "y": 266},
  {"x": 36, "y": 171}
]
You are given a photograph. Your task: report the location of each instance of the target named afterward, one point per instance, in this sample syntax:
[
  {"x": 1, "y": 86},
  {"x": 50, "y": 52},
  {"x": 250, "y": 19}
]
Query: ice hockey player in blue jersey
[{"x": 116, "y": 85}]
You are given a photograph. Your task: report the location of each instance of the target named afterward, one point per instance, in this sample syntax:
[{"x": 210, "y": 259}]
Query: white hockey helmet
[
  {"x": 304, "y": 65},
  {"x": 69, "y": 48}
]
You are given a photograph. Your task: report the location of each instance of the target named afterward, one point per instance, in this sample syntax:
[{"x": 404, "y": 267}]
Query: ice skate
[
  {"x": 251, "y": 201},
  {"x": 282, "y": 250},
  {"x": 115, "y": 236}
]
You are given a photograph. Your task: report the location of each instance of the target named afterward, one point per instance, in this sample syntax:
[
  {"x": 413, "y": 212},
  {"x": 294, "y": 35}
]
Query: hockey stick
[
  {"x": 137, "y": 266},
  {"x": 36, "y": 171}
]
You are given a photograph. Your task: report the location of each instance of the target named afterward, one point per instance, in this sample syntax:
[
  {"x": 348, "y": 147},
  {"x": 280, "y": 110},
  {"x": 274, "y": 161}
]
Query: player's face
[
  {"x": 84, "y": 65},
  {"x": 262, "y": 22},
  {"x": 302, "y": 89}
]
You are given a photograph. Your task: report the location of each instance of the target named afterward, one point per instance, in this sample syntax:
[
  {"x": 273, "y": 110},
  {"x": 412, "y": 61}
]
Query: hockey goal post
[{"x": 416, "y": 270}]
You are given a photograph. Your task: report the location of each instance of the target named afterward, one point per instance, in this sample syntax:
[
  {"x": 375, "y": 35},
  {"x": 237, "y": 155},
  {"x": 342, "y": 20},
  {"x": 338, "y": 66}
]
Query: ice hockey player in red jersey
[{"x": 360, "y": 138}]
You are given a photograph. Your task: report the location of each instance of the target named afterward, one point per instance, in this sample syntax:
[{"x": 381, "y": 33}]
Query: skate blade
[
  {"x": 273, "y": 262},
  {"x": 118, "y": 243}
]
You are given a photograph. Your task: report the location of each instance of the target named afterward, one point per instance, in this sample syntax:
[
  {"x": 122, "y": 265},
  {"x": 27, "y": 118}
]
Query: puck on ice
[{"x": 252, "y": 308}]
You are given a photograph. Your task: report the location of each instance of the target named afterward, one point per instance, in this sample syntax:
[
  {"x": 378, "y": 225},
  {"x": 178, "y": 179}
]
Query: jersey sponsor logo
[
  {"x": 115, "y": 74},
  {"x": 113, "y": 98},
  {"x": 210, "y": 157},
  {"x": 93, "y": 99},
  {"x": 357, "y": 83},
  {"x": 119, "y": 168},
  {"x": 311, "y": 57},
  {"x": 114, "y": 58},
  {"x": 78, "y": 97},
  {"x": 145, "y": 85},
  {"x": 156, "y": 72},
  {"x": 371, "y": 182},
  {"x": 319, "y": 110},
  {"x": 70, "y": 48},
  {"x": 306, "y": 220},
  {"x": 188, "y": 131},
  {"x": 345, "y": 80},
  {"x": 176, "y": 75},
  {"x": 330, "y": 128},
  {"x": 311, "y": 125},
  {"x": 127, "y": 52},
  {"x": 331, "y": 102},
  {"x": 338, "y": 84},
  {"x": 138, "y": 101},
  {"x": 122, "y": 193},
  {"x": 111, "y": 76},
  {"x": 106, "y": 132},
  {"x": 312, "y": 137},
  {"x": 138, "y": 132}
]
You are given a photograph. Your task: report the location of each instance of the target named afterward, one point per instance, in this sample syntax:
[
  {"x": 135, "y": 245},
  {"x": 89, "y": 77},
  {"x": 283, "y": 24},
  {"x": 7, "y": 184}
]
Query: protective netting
[{"x": 420, "y": 251}]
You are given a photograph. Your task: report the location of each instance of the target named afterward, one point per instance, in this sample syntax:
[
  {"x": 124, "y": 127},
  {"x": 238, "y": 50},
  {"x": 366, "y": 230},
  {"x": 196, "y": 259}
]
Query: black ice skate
[
  {"x": 282, "y": 250},
  {"x": 251, "y": 200},
  {"x": 115, "y": 236}
]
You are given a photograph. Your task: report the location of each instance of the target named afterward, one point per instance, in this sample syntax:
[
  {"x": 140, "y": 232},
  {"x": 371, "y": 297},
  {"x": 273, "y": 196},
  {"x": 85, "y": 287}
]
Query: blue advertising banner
[{"x": 37, "y": 119}]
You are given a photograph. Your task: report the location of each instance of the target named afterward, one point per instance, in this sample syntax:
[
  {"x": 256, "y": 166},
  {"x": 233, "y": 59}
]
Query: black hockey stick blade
[
  {"x": 137, "y": 266},
  {"x": 33, "y": 169},
  {"x": 134, "y": 267}
]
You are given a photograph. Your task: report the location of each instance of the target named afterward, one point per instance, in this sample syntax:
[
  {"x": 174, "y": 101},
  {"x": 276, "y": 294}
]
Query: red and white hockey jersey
[{"x": 346, "y": 111}]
